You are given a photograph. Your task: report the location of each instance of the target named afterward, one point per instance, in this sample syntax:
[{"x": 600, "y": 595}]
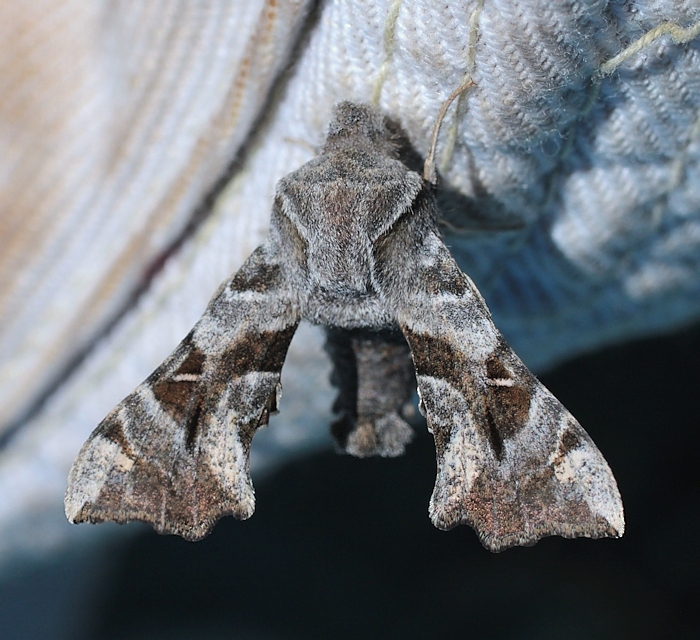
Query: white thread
[
  {"x": 451, "y": 138},
  {"x": 389, "y": 44},
  {"x": 678, "y": 34}
]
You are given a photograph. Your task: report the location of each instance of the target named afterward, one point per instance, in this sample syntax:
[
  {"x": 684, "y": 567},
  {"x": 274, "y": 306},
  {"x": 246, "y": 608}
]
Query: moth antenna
[{"x": 429, "y": 172}]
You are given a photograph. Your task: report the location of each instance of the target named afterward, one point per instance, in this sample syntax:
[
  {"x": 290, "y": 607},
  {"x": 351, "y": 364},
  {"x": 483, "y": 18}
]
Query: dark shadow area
[{"x": 342, "y": 548}]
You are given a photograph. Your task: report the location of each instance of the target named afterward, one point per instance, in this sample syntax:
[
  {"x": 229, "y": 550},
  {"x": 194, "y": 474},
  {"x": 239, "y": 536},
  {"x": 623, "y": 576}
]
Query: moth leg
[{"x": 375, "y": 379}]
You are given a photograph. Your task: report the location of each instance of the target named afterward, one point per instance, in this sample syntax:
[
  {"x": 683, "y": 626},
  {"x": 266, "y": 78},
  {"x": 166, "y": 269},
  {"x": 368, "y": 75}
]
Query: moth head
[{"x": 353, "y": 123}]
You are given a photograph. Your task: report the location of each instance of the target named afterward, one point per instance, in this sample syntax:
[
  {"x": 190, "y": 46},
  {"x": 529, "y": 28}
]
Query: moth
[{"x": 354, "y": 245}]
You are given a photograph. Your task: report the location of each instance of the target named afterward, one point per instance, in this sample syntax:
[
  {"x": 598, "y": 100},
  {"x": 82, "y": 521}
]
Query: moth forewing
[
  {"x": 175, "y": 453},
  {"x": 513, "y": 463}
]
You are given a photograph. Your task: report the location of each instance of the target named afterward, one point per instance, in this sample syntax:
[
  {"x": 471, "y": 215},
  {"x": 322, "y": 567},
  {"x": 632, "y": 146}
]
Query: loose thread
[
  {"x": 389, "y": 43},
  {"x": 473, "y": 29},
  {"x": 429, "y": 172},
  {"x": 679, "y": 35}
]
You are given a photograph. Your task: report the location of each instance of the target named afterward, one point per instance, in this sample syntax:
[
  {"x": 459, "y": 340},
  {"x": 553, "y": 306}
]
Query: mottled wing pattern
[
  {"x": 513, "y": 463},
  {"x": 175, "y": 453}
]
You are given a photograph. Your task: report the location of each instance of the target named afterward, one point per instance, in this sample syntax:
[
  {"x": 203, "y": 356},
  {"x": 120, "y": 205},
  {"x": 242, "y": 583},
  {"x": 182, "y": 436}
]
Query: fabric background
[{"x": 120, "y": 123}]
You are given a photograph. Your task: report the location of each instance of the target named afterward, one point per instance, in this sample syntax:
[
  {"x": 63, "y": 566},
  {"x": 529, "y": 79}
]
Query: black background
[{"x": 343, "y": 548}]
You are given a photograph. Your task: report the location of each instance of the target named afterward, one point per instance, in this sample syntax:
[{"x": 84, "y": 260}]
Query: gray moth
[{"x": 354, "y": 246}]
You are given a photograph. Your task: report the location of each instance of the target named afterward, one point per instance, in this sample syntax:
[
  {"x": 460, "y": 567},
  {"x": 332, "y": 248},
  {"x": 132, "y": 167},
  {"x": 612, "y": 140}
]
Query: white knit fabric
[{"x": 584, "y": 125}]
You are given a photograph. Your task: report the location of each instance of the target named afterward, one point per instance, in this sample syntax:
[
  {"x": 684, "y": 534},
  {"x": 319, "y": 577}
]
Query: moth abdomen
[{"x": 374, "y": 376}]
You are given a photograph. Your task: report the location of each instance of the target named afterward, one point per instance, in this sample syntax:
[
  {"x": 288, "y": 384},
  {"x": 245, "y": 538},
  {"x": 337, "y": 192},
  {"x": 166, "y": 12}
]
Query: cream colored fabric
[{"x": 118, "y": 118}]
